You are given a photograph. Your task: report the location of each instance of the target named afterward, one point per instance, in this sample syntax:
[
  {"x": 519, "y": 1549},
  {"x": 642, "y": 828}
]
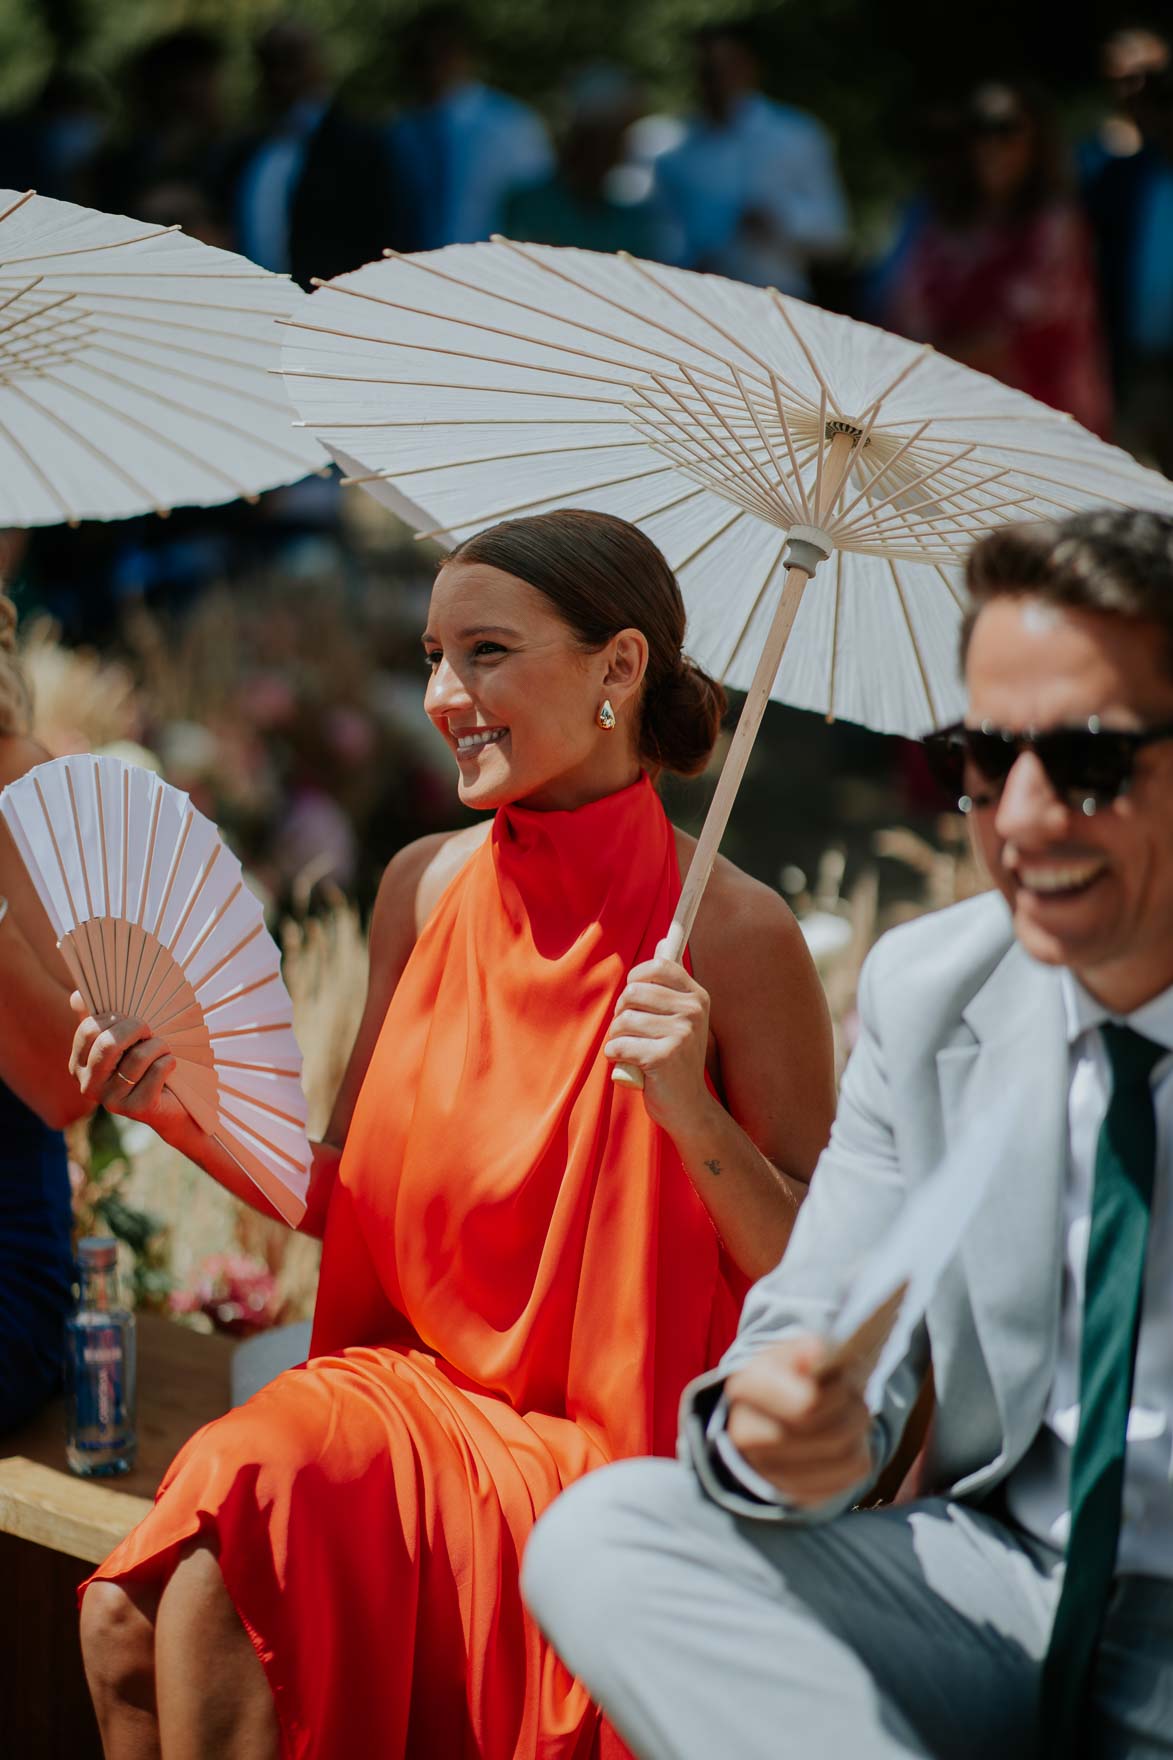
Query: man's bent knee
[{"x": 575, "y": 1574}]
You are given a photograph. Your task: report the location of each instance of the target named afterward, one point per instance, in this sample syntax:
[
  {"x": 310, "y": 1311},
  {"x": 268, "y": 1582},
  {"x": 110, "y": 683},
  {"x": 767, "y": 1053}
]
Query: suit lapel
[{"x": 1006, "y": 1094}]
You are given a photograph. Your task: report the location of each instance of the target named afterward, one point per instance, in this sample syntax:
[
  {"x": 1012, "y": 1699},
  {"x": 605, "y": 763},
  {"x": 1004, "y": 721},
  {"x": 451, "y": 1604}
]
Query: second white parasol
[
  {"x": 135, "y": 369},
  {"x": 756, "y": 439}
]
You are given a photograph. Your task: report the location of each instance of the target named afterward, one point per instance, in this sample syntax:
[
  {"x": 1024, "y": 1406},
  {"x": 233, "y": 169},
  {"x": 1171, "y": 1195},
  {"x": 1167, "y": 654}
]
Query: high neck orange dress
[{"x": 518, "y": 1278}]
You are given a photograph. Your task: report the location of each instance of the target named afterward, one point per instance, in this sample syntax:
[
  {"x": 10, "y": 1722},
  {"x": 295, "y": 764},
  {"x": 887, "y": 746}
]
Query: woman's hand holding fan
[
  {"x": 122, "y": 1065},
  {"x": 169, "y": 952}
]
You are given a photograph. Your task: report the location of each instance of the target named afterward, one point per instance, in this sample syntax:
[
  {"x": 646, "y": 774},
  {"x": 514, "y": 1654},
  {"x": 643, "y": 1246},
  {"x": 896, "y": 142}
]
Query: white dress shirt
[
  {"x": 1037, "y": 1491},
  {"x": 766, "y": 159}
]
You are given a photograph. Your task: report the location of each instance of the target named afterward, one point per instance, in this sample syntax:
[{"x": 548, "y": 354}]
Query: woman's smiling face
[{"x": 516, "y": 696}]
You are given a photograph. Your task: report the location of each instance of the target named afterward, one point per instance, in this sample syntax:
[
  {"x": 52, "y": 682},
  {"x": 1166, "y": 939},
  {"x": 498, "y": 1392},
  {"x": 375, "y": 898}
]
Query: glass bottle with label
[{"x": 100, "y": 1367}]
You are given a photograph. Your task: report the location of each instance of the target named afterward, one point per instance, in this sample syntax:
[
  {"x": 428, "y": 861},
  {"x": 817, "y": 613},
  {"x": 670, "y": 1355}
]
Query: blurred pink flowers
[{"x": 236, "y": 1292}]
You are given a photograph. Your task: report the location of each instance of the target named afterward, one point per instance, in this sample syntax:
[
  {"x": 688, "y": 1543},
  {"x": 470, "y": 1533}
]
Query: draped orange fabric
[{"x": 518, "y": 1278}]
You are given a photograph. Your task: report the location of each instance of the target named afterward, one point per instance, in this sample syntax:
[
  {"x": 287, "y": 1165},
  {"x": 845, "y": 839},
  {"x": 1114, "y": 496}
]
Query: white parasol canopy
[
  {"x": 758, "y": 440},
  {"x": 477, "y": 382},
  {"x": 135, "y": 369}
]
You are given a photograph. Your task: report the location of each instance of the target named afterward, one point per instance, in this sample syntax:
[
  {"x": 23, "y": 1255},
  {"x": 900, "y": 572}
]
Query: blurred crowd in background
[{"x": 1038, "y": 251}]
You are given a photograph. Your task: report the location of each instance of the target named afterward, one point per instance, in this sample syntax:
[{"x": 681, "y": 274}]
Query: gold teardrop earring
[{"x": 606, "y": 716}]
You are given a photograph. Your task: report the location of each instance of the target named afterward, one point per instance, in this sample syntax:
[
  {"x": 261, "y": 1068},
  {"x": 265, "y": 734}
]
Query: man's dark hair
[{"x": 1115, "y": 561}]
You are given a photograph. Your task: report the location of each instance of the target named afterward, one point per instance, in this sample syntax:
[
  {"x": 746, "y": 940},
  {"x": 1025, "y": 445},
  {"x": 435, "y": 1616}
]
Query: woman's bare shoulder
[
  {"x": 416, "y": 877},
  {"x": 440, "y": 865},
  {"x": 739, "y": 918}
]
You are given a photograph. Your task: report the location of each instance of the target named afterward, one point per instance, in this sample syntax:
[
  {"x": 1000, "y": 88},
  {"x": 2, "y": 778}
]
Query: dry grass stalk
[
  {"x": 189, "y": 674},
  {"x": 948, "y": 874},
  {"x": 81, "y": 700}
]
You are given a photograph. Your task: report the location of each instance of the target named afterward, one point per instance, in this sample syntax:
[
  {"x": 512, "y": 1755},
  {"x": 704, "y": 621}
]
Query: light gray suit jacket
[{"x": 963, "y": 1043}]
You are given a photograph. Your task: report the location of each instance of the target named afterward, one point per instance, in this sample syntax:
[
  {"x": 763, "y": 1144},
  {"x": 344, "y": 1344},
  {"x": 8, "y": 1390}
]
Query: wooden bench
[{"x": 54, "y": 1528}]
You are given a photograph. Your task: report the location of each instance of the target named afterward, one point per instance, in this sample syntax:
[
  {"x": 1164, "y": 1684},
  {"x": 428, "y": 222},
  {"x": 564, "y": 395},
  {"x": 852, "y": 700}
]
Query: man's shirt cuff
[{"x": 734, "y": 1464}]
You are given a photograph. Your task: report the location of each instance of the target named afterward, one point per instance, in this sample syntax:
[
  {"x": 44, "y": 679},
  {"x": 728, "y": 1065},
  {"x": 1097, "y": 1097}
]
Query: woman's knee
[
  {"x": 118, "y": 1640},
  {"x": 195, "y": 1597}
]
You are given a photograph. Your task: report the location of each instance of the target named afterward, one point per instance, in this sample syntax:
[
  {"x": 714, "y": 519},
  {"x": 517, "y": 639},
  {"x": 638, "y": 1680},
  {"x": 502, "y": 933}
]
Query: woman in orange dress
[{"x": 523, "y": 1263}]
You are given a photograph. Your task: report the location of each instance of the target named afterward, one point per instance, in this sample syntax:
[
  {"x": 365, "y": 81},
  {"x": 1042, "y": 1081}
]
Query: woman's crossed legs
[{"x": 173, "y": 1672}]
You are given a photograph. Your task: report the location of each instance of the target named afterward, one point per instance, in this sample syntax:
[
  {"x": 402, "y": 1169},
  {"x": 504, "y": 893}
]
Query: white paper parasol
[
  {"x": 755, "y": 438},
  {"x": 135, "y": 369}
]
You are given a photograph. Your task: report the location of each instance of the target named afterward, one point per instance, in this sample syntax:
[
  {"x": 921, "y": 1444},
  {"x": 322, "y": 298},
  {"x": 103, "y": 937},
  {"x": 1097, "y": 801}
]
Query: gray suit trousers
[{"x": 915, "y": 1630}]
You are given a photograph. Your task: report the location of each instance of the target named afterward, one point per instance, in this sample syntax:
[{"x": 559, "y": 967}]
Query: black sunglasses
[{"x": 1088, "y": 767}]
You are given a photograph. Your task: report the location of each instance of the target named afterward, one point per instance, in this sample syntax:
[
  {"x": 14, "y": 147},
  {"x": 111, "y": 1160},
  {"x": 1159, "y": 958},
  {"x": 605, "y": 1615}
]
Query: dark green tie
[{"x": 1126, "y": 1156}]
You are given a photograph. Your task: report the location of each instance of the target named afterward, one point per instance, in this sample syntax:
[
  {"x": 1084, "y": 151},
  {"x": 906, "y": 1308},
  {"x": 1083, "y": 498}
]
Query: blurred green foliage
[{"x": 100, "y": 1207}]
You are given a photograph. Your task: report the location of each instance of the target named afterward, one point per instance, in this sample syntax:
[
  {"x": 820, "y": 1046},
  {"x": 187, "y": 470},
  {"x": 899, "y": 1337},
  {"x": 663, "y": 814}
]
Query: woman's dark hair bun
[{"x": 682, "y": 717}]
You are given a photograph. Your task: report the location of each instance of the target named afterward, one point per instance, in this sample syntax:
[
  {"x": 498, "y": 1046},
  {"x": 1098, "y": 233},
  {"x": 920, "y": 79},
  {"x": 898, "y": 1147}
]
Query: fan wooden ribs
[{"x": 156, "y": 923}]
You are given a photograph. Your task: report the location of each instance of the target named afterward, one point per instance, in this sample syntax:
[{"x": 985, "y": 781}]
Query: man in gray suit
[{"x": 737, "y": 1603}]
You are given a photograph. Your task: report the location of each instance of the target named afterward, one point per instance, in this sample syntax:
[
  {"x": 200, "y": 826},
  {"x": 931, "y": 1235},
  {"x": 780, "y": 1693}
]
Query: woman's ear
[{"x": 627, "y": 664}]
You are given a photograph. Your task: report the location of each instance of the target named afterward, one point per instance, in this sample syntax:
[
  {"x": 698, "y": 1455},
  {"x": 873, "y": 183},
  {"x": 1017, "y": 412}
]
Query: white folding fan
[{"x": 155, "y": 921}]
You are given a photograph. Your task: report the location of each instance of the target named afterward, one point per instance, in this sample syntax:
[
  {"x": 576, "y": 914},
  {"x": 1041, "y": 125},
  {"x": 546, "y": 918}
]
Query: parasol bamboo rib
[
  {"x": 762, "y": 435},
  {"x": 487, "y": 330},
  {"x": 615, "y": 305},
  {"x": 729, "y": 660},
  {"x": 69, "y": 513},
  {"x": 222, "y": 387},
  {"x": 874, "y": 514},
  {"x": 726, "y": 462},
  {"x": 882, "y": 470},
  {"x": 447, "y": 464},
  {"x": 18, "y": 203},
  {"x": 798, "y": 477},
  {"x": 771, "y": 489},
  {"x": 23, "y": 288},
  {"x": 719, "y": 532},
  {"x": 103, "y": 458},
  {"x": 956, "y": 596},
  {"x": 830, "y": 715},
  {"x": 87, "y": 250},
  {"x": 818, "y": 495},
  {"x": 920, "y": 663},
  {"x": 539, "y": 311},
  {"x": 645, "y": 270},
  {"x": 520, "y": 507},
  {"x": 198, "y": 415},
  {"x": 156, "y": 434}
]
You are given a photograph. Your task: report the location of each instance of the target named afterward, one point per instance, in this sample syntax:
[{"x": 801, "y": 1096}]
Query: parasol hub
[
  {"x": 806, "y": 547},
  {"x": 853, "y": 430}
]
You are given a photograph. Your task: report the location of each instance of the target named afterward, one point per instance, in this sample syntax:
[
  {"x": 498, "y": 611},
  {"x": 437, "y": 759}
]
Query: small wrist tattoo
[{"x": 713, "y": 1166}]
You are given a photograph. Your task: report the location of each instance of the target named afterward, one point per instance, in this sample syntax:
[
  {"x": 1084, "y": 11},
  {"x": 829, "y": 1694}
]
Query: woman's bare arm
[
  {"x": 754, "y": 1011},
  {"x": 36, "y": 1023}
]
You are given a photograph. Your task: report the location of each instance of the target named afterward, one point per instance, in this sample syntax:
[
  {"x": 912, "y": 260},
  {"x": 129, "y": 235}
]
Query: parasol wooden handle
[{"x": 740, "y": 746}]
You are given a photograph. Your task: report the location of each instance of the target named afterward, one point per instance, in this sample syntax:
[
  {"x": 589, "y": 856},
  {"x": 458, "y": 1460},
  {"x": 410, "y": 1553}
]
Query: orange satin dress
[{"x": 518, "y": 1278}]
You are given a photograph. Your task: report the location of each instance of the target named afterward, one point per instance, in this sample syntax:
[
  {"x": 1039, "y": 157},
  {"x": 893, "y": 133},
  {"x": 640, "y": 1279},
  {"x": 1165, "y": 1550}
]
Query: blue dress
[{"x": 36, "y": 1259}]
